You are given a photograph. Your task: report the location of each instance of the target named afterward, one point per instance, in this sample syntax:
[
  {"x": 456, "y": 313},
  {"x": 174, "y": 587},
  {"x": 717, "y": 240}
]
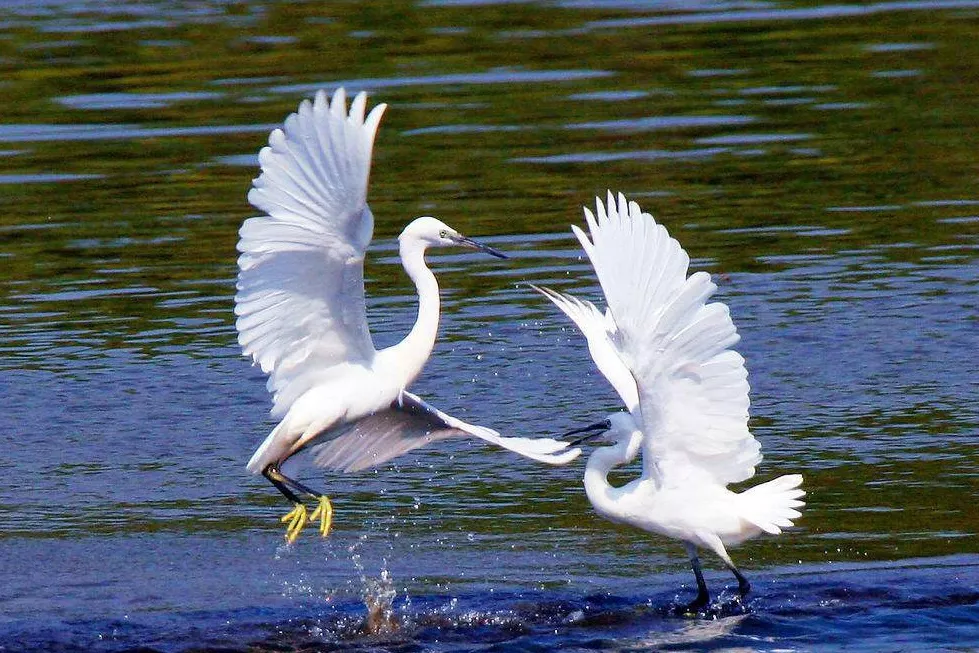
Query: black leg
[
  {"x": 743, "y": 585},
  {"x": 283, "y": 484},
  {"x": 703, "y": 596},
  {"x": 275, "y": 477}
]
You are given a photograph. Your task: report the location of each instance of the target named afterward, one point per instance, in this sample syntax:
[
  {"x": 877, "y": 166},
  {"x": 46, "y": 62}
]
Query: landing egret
[
  {"x": 668, "y": 355},
  {"x": 301, "y": 314}
]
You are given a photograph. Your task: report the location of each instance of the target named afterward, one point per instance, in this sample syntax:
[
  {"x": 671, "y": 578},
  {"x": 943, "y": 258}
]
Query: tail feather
[{"x": 773, "y": 505}]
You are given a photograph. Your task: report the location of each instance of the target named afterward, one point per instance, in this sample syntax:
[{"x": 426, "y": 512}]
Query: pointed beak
[
  {"x": 590, "y": 431},
  {"x": 462, "y": 241}
]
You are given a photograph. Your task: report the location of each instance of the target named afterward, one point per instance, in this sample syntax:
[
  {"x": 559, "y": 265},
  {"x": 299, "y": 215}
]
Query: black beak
[
  {"x": 462, "y": 241},
  {"x": 591, "y": 431}
]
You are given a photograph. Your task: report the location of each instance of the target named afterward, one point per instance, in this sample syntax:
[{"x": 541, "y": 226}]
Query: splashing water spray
[{"x": 378, "y": 595}]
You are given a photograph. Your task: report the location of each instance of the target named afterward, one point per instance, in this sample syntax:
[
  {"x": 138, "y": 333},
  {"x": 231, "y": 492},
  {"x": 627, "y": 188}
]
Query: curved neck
[
  {"x": 410, "y": 354},
  {"x": 600, "y": 463}
]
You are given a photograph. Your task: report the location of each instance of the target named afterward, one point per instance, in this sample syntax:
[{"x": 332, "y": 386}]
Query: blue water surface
[{"x": 819, "y": 161}]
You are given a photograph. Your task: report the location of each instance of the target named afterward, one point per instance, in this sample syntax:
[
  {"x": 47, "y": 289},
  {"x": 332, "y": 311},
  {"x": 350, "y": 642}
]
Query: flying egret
[
  {"x": 301, "y": 314},
  {"x": 667, "y": 353}
]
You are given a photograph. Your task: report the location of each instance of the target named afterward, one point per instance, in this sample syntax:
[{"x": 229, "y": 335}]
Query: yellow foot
[
  {"x": 296, "y": 519},
  {"x": 323, "y": 512},
  {"x": 299, "y": 516}
]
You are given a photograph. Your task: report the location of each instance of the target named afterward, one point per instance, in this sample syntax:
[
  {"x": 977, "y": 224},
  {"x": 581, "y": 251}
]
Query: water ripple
[
  {"x": 502, "y": 76},
  {"x": 775, "y": 14},
  {"x": 45, "y": 178},
  {"x": 752, "y": 139},
  {"x": 652, "y": 123},
  {"x": 102, "y": 101},
  {"x": 634, "y": 155},
  {"x": 27, "y": 133}
]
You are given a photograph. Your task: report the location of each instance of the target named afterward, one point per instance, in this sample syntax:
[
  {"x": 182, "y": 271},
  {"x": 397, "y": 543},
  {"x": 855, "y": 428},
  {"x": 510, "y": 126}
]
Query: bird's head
[
  {"x": 431, "y": 232},
  {"x": 618, "y": 429}
]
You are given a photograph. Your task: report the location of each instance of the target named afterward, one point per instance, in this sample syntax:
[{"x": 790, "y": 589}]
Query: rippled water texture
[{"x": 820, "y": 160}]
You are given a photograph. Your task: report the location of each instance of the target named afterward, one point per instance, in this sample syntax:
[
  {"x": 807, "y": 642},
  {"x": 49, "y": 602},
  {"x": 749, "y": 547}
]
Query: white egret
[
  {"x": 667, "y": 353},
  {"x": 302, "y": 318}
]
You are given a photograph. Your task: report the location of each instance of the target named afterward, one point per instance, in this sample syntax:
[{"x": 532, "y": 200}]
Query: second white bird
[{"x": 667, "y": 352}]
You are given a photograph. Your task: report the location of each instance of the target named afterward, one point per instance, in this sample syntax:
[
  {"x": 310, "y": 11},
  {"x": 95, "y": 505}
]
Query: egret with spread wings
[
  {"x": 302, "y": 318},
  {"x": 667, "y": 352}
]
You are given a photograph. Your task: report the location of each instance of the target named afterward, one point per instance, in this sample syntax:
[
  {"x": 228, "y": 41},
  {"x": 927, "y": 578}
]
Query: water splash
[{"x": 378, "y": 595}]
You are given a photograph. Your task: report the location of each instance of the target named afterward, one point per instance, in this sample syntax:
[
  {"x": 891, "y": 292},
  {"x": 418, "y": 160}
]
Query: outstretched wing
[
  {"x": 599, "y": 331},
  {"x": 300, "y": 299},
  {"x": 410, "y": 423},
  {"x": 693, "y": 389}
]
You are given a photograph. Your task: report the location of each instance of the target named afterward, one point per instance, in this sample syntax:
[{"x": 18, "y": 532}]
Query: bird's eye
[{"x": 443, "y": 234}]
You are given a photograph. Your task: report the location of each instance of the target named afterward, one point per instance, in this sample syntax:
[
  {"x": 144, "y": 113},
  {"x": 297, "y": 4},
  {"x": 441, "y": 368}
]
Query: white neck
[
  {"x": 601, "y": 494},
  {"x": 410, "y": 354}
]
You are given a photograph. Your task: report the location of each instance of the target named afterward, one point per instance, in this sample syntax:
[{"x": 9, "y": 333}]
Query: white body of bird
[
  {"x": 688, "y": 508},
  {"x": 302, "y": 315},
  {"x": 666, "y": 351},
  {"x": 374, "y": 380}
]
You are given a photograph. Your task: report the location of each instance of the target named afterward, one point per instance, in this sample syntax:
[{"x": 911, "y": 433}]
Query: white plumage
[
  {"x": 667, "y": 352},
  {"x": 301, "y": 310}
]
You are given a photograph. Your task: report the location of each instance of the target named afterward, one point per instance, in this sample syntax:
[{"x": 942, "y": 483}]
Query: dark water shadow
[{"x": 870, "y": 606}]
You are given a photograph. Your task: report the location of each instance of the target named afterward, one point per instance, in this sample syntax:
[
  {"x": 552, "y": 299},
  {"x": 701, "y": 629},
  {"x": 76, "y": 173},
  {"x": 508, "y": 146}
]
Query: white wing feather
[
  {"x": 599, "y": 331},
  {"x": 411, "y": 423},
  {"x": 693, "y": 389},
  {"x": 300, "y": 299},
  {"x": 545, "y": 450}
]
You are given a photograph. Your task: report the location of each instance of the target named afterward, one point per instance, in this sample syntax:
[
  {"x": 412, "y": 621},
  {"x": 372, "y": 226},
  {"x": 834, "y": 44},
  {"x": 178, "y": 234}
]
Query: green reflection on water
[{"x": 142, "y": 258}]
